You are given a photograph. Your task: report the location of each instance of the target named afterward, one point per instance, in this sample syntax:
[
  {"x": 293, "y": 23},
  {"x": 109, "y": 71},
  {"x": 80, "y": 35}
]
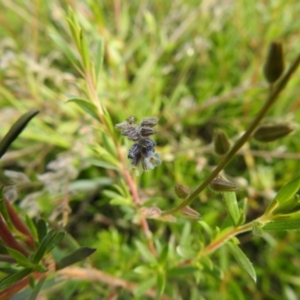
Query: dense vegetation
[{"x": 88, "y": 65}]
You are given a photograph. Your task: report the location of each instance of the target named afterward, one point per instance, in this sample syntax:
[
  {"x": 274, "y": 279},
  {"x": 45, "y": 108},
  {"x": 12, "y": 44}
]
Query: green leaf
[
  {"x": 43, "y": 247},
  {"x": 288, "y": 206},
  {"x": 74, "y": 26},
  {"x": 65, "y": 48},
  {"x": 78, "y": 255},
  {"x": 232, "y": 206},
  {"x": 15, "y": 130},
  {"x": 186, "y": 251},
  {"x": 285, "y": 194},
  {"x": 144, "y": 286},
  {"x": 11, "y": 279},
  {"x": 145, "y": 252},
  {"x": 185, "y": 235},
  {"x": 143, "y": 270},
  {"x": 121, "y": 202},
  {"x": 20, "y": 258},
  {"x": 291, "y": 222},
  {"x": 242, "y": 260},
  {"x": 163, "y": 257},
  {"x": 99, "y": 59},
  {"x": 86, "y": 106},
  {"x": 37, "y": 289},
  {"x": 161, "y": 283},
  {"x": 42, "y": 229},
  {"x": 84, "y": 51},
  {"x": 102, "y": 164},
  {"x": 55, "y": 240},
  {"x": 31, "y": 225},
  {"x": 180, "y": 271}
]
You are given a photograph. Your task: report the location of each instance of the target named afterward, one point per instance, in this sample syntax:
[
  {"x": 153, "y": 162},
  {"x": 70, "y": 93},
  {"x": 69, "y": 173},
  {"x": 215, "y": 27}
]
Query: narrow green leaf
[
  {"x": 289, "y": 190},
  {"x": 78, "y": 255},
  {"x": 242, "y": 260},
  {"x": 20, "y": 258},
  {"x": 43, "y": 247},
  {"x": 64, "y": 47},
  {"x": 8, "y": 270},
  {"x": 143, "y": 270},
  {"x": 40, "y": 268},
  {"x": 11, "y": 279},
  {"x": 55, "y": 240},
  {"x": 232, "y": 206},
  {"x": 163, "y": 257},
  {"x": 144, "y": 286},
  {"x": 121, "y": 202},
  {"x": 287, "y": 207},
  {"x": 185, "y": 235},
  {"x": 144, "y": 251},
  {"x": 161, "y": 283},
  {"x": 41, "y": 227},
  {"x": 207, "y": 262},
  {"x": 102, "y": 164},
  {"x": 86, "y": 106},
  {"x": 31, "y": 225},
  {"x": 31, "y": 281},
  {"x": 291, "y": 222},
  {"x": 37, "y": 289},
  {"x": 185, "y": 251},
  {"x": 99, "y": 59},
  {"x": 74, "y": 31},
  {"x": 285, "y": 194},
  {"x": 180, "y": 271},
  {"x": 84, "y": 51},
  {"x": 74, "y": 26},
  {"x": 15, "y": 130}
]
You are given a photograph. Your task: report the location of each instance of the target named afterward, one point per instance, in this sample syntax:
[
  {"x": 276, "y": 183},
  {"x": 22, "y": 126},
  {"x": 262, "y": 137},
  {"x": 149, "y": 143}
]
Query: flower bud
[
  {"x": 219, "y": 184},
  {"x": 146, "y": 131},
  {"x": 269, "y": 133},
  {"x": 190, "y": 213},
  {"x": 146, "y": 142},
  {"x": 274, "y": 64},
  {"x": 221, "y": 142},
  {"x": 181, "y": 191},
  {"x": 135, "y": 149},
  {"x": 149, "y": 122}
]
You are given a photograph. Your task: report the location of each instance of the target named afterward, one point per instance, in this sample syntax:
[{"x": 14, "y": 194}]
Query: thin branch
[
  {"x": 244, "y": 138},
  {"x": 105, "y": 278}
]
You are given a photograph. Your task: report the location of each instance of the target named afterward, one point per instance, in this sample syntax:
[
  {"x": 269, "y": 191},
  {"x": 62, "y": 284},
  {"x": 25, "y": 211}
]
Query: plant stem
[
  {"x": 214, "y": 245},
  {"x": 19, "y": 225},
  {"x": 130, "y": 182},
  {"x": 273, "y": 96}
]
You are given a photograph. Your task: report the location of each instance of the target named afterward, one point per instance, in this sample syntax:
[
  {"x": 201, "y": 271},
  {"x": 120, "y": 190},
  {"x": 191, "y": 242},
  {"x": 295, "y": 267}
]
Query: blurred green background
[{"x": 197, "y": 66}]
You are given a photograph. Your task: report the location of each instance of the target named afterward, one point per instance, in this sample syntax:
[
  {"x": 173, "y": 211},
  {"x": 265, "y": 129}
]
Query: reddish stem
[
  {"x": 9, "y": 240},
  {"x": 128, "y": 178},
  {"x": 15, "y": 288},
  {"x": 19, "y": 225}
]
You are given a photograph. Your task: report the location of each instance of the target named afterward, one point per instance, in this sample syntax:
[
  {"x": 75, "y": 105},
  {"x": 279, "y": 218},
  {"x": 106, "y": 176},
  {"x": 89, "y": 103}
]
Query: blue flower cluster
[{"x": 142, "y": 152}]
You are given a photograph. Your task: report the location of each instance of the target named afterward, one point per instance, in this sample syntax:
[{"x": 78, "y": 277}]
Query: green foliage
[{"x": 199, "y": 68}]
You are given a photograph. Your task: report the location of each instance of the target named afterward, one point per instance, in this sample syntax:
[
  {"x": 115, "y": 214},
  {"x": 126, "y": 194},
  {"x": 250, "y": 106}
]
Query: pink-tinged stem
[
  {"x": 19, "y": 225},
  {"x": 15, "y": 288}
]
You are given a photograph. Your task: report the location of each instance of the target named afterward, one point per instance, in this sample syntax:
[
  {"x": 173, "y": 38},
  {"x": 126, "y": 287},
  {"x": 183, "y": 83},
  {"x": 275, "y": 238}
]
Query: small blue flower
[{"x": 151, "y": 161}]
